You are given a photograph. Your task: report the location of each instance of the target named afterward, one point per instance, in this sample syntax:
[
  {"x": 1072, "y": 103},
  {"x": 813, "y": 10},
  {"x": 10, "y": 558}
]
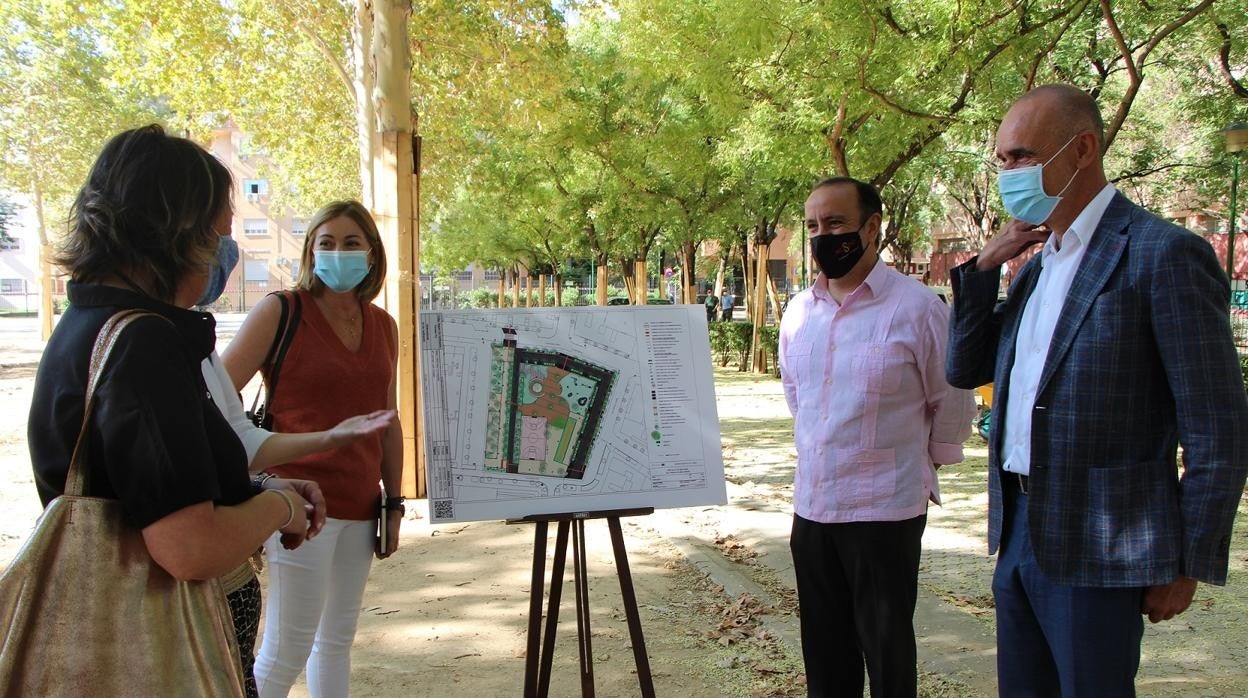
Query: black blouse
[{"x": 157, "y": 441}]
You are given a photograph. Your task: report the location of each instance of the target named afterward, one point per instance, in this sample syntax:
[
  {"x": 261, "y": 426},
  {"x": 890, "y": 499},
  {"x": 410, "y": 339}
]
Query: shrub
[
  {"x": 571, "y": 296},
  {"x": 483, "y": 298},
  {"x": 731, "y": 340},
  {"x": 769, "y": 336},
  {"x": 1243, "y": 367}
]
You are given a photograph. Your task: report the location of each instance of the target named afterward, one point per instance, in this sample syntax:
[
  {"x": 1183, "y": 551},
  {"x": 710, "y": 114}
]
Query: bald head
[
  {"x": 1058, "y": 128},
  {"x": 1065, "y": 109}
]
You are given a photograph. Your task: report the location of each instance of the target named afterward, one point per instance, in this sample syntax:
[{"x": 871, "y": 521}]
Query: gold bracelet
[{"x": 290, "y": 507}]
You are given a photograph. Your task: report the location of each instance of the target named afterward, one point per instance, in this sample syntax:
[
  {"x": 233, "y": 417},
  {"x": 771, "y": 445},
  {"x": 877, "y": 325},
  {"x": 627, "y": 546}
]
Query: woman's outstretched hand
[{"x": 359, "y": 426}]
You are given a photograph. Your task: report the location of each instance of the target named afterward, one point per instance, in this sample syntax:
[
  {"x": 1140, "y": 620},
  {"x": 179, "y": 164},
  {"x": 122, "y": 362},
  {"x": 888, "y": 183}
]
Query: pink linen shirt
[{"x": 865, "y": 382}]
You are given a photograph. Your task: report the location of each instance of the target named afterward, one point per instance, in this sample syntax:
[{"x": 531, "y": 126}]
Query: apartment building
[{"x": 270, "y": 238}]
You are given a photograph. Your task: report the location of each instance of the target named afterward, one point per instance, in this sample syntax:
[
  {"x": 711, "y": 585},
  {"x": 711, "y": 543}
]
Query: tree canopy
[{"x": 613, "y": 131}]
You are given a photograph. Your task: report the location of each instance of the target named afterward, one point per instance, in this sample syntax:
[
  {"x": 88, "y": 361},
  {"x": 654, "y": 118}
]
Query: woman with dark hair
[
  {"x": 342, "y": 361},
  {"x": 144, "y": 234}
]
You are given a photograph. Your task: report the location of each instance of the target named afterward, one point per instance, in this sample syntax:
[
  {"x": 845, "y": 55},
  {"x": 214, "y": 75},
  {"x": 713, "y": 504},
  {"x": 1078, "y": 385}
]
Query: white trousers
[{"x": 312, "y": 609}]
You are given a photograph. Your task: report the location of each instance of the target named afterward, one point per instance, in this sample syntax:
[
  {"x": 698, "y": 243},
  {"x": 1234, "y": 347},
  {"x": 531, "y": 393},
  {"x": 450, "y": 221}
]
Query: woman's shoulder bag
[{"x": 84, "y": 610}]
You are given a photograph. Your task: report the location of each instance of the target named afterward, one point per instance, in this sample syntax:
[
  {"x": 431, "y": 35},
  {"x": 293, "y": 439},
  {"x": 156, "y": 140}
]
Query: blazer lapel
[
  {"x": 1098, "y": 264},
  {"x": 1019, "y": 294}
]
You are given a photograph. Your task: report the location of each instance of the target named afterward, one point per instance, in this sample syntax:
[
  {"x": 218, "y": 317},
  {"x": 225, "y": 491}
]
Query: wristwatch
[
  {"x": 396, "y": 504},
  {"x": 259, "y": 479}
]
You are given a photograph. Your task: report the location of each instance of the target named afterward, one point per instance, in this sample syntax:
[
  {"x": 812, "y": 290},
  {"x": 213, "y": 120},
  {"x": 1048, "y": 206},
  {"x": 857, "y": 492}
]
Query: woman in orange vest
[{"x": 341, "y": 362}]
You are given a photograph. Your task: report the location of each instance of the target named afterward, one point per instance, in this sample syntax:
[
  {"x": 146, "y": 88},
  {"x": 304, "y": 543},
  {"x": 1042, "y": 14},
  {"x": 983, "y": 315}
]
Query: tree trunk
[
  {"x": 600, "y": 290},
  {"x": 774, "y": 295},
  {"x": 719, "y": 278},
  {"x": 502, "y": 288},
  {"x": 515, "y": 286},
  {"x": 662, "y": 271},
  {"x": 630, "y": 282},
  {"x": 747, "y": 278},
  {"x": 639, "y": 281},
  {"x": 47, "y": 308},
  {"x": 757, "y": 313},
  {"x": 395, "y": 210},
  {"x": 688, "y": 281},
  {"x": 362, "y": 88},
  {"x": 558, "y": 288}
]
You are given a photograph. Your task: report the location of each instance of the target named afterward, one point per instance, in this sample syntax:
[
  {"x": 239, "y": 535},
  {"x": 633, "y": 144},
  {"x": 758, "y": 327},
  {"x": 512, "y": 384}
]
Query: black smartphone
[{"x": 383, "y": 531}]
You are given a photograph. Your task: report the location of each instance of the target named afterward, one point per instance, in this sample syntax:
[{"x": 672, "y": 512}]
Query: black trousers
[{"x": 857, "y": 584}]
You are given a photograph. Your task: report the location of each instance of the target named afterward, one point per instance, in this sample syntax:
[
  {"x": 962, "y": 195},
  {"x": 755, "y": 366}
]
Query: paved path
[
  {"x": 743, "y": 546},
  {"x": 1203, "y": 652}
]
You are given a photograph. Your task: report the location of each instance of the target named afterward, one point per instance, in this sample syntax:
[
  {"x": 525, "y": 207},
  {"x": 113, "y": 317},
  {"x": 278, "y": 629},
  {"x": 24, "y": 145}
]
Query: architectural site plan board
[{"x": 564, "y": 410}]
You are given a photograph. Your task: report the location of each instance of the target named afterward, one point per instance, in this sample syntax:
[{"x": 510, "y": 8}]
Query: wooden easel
[{"x": 540, "y": 650}]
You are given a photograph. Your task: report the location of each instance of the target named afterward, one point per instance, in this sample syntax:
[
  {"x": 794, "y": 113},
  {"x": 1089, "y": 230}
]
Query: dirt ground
[{"x": 447, "y": 614}]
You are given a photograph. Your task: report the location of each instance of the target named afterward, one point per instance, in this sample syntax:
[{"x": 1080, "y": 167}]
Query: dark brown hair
[
  {"x": 869, "y": 202},
  {"x": 148, "y": 206}
]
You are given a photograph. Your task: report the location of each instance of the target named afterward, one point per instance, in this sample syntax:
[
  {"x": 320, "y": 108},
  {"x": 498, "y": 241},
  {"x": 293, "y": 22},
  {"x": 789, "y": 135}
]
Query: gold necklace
[{"x": 349, "y": 323}]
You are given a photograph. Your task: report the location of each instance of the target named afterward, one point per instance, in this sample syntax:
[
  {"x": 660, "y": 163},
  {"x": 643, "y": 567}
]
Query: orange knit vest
[{"x": 321, "y": 384}]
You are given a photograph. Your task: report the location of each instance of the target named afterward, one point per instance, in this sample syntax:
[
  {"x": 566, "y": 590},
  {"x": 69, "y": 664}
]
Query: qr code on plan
[{"x": 443, "y": 509}]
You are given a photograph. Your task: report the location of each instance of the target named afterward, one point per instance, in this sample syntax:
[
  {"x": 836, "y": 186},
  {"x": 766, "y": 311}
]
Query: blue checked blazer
[{"x": 1141, "y": 360}]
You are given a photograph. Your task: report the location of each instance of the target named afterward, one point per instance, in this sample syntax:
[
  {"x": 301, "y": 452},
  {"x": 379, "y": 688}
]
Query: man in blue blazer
[{"x": 1112, "y": 348}]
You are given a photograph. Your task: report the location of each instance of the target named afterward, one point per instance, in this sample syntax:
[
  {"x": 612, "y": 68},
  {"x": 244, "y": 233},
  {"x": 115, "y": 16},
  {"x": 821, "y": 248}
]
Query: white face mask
[{"x": 1022, "y": 191}]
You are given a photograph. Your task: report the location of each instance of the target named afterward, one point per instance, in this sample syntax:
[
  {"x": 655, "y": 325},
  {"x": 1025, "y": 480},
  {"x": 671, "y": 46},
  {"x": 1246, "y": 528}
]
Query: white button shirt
[{"x": 1035, "y": 330}]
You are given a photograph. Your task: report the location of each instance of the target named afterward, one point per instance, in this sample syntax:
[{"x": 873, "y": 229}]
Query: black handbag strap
[
  {"x": 76, "y": 478},
  {"x": 288, "y": 322}
]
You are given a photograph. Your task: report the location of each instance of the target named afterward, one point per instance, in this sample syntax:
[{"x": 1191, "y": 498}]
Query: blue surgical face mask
[
  {"x": 222, "y": 267},
  {"x": 1022, "y": 191},
  {"x": 340, "y": 271}
]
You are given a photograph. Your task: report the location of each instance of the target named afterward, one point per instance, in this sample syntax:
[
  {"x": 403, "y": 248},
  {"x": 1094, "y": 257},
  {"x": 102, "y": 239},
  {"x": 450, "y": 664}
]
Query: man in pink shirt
[{"x": 862, "y": 355}]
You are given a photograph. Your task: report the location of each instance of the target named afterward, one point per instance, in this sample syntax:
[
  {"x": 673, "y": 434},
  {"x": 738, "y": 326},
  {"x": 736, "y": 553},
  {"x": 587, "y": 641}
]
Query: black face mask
[{"x": 837, "y": 253}]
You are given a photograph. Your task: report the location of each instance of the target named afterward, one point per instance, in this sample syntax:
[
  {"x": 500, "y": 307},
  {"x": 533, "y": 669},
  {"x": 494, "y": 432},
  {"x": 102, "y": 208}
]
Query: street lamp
[{"x": 1236, "y": 140}]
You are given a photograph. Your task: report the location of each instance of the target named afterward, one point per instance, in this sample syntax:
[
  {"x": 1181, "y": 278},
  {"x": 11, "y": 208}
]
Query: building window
[
  {"x": 255, "y": 187},
  {"x": 12, "y": 286},
  {"x": 299, "y": 227},
  {"x": 256, "y": 272},
  {"x": 255, "y": 227}
]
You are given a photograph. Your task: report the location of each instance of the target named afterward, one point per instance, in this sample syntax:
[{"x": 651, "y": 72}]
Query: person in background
[
  {"x": 342, "y": 362},
  {"x": 862, "y": 355},
  {"x": 144, "y": 231},
  {"x": 1112, "y": 348},
  {"x": 712, "y": 302},
  {"x": 727, "y": 304}
]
